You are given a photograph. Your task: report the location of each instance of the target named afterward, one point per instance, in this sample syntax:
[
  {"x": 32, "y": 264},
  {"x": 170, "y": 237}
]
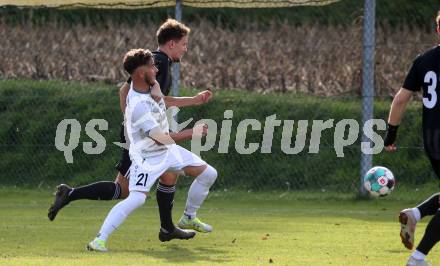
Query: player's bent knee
[
  {"x": 169, "y": 179},
  {"x": 137, "y": 198},
  {"x": 208, "y": 176}
]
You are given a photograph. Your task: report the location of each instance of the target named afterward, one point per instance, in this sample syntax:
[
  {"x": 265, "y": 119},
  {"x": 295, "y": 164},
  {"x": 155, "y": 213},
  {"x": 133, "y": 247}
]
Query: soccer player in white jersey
[{"x": 152, "y": 149}]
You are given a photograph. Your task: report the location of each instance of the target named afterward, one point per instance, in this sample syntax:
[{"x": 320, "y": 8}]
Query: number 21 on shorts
[{"x": 142, "y": 180}]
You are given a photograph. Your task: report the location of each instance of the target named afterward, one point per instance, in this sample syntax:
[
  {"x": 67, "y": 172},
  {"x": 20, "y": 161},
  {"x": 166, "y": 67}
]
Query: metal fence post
[
  {"x": 367, "y": 82},
  {"x": 176, "y": 72},
  {"x": 176, "y": 66}
]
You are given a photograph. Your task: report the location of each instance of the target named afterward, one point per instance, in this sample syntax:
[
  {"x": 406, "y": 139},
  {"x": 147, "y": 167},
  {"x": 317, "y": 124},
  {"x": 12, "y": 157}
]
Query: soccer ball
[{"x": 379, "y": 181}]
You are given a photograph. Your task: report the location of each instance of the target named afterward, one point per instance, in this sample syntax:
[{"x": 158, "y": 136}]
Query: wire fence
[
  {"x": 32, "y": 111},
  {"x": 299, "y": 72}
]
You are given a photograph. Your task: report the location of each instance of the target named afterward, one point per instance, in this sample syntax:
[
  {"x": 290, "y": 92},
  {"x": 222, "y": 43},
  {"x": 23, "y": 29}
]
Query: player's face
[
  {"x": 179, "y": 48},
  {"x": 148, "y": 72}
]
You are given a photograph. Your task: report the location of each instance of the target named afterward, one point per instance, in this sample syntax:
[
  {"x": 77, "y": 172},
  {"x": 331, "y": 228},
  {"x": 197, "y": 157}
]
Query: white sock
[
  {"x": 416, "y": 213},
  {"x": 119, "y": 213},
  {"x": 199, "y": 190},
  {"x": 418, "y": 255}
]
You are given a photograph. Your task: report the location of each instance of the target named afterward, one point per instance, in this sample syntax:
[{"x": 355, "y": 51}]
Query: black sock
[
  {"x": 105, "y": 190},
  {"x": 431, "y": 236},
  {"x": 165, "y": 201},
  {"x": 429, "y": 206}
]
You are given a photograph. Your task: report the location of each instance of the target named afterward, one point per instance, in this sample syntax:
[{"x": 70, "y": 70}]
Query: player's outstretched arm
[
  {"x": 397, "y": 111},
  {"x": 201, "y": 98},
  {"x": 198, "y": 131}
]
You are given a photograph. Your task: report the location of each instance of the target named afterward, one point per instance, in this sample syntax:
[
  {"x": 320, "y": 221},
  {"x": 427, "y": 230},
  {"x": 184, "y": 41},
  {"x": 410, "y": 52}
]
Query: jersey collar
[{"x": 170, "y": 61}]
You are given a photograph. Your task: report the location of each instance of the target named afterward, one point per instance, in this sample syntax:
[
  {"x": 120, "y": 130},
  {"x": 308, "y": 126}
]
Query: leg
[
  {"x": 199, "y": 188},
  {"x": 432, "y": 204},
  {"x": 140, "y": 182},
  {"x": 410, "y": 217},
  {"x": 429, "y": 240},
  {"x": 431, "y": 236},
  {"x": 205, "y": 178},
  {"x": 104, "y": 190},
  {"x": 429, "y": 206},
  {"x": 122, "y": 181},
  {"x": 165, "y": 200},
  {"x": 183, "y": 160},
  {"x": 107, "y": 190},
  {"x": 432, "y": 233},
  {"x": 116, "y": 217},
  {"x": 120, "y": 212},
  {"x": 169, "y": 178}
]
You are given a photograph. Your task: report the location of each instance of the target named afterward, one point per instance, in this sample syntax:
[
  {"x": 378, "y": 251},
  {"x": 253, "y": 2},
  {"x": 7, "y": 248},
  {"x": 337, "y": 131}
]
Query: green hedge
[{"x": 31, "y": 110}]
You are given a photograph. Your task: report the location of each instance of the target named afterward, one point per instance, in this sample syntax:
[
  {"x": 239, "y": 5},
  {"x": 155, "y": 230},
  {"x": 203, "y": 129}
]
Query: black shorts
[{"x": 124, "y": 163}]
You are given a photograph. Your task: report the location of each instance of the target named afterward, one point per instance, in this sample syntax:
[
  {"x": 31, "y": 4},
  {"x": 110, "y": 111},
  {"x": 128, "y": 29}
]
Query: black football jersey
[
  {"x": 163, "y": 64},
  {"x": 424, "y": 75}
]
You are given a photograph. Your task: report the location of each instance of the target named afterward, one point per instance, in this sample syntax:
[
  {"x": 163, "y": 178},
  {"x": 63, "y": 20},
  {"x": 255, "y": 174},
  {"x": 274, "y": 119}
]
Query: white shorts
[{"x": 144, "y": 174}]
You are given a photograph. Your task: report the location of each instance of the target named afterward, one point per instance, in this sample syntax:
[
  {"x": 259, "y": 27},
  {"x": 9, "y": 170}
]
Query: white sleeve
[{"x": 143, "y": 117}]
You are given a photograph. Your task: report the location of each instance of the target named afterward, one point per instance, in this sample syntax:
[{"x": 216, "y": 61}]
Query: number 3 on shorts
[{"x": 142, "y": 180}]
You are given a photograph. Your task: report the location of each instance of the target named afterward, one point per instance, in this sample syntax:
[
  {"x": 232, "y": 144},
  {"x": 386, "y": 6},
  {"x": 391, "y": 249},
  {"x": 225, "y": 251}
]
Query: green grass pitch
[{"x": 250, "y": 229}]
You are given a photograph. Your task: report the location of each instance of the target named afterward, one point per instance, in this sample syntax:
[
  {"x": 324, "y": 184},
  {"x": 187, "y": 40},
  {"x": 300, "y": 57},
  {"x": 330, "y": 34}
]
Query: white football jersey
[{"x": 142, "y": 114}]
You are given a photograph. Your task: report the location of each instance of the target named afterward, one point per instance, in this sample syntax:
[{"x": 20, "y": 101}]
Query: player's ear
[
  {"x": 438, "y": 29},
  {"x": 171, "y": 44}
]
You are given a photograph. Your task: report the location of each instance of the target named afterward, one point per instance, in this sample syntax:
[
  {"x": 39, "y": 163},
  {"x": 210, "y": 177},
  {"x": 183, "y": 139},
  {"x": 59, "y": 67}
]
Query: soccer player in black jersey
[
  {"x": 172, "y": 39},
  {"x": 424, "y": 75}
]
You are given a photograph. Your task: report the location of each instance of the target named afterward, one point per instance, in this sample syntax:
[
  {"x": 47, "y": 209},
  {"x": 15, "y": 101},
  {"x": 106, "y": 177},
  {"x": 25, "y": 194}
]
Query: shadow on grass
[
  {"x": 398, "y": 251},
  {"x": 173, "y": 253}
]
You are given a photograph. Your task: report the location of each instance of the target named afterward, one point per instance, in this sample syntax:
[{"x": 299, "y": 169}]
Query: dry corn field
[{"x": 312, "y": 59}]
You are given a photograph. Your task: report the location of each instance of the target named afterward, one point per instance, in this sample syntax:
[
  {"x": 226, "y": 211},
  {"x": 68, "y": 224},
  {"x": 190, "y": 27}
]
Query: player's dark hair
[
  {"x": 171, "y": 30},
  {"x": 136, "y": 58}
]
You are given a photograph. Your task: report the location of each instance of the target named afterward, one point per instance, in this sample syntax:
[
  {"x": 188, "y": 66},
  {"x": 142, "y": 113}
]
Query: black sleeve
[
  {"x": 129, "y": 80},
  {"x": 162, "y": 74},
  {"x": 413, "y": 81}
]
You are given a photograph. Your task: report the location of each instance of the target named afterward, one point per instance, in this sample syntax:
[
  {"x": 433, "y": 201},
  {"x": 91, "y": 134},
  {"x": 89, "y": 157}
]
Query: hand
[
  {"x": 390, "y": 138},
  {"x": 155, "y": 85},
  {"x": 200, "y": 130},
  {"x": 156, "y": 93},
  {"x": 203, "y": 97}
]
